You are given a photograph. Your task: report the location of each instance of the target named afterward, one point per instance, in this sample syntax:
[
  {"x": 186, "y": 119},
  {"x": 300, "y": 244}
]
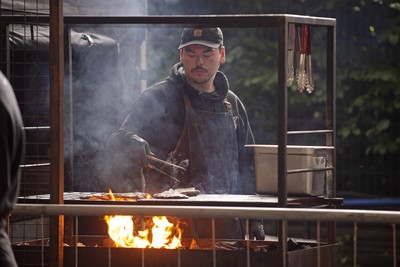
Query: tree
[{"x": 369, "y": 103}]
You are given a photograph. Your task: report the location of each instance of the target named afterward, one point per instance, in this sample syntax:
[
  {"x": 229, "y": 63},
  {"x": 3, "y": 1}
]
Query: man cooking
[{"x": 191, "y": 119}]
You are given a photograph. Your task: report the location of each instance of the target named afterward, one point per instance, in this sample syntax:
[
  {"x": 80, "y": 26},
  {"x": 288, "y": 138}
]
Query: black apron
[{"x": 209, "y": 144}]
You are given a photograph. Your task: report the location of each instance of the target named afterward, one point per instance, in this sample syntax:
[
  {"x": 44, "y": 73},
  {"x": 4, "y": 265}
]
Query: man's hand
[{"x": 138, "y": 149}]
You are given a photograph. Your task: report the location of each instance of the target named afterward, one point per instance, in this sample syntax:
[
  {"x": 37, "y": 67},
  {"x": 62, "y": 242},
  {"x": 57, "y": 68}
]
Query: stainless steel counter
[{"x": 199, "y": 200}]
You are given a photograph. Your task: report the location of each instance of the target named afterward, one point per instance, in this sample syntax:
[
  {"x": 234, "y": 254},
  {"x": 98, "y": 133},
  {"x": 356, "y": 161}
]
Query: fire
[{"x": 164, "y": 234}]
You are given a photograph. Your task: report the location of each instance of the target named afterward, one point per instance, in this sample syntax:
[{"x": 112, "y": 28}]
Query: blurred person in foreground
[
  {"x": 11, "y": 151},
  {"x": 194, "y": 120}
]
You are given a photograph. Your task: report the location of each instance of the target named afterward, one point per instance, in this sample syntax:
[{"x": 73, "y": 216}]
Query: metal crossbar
[{"x": 307, "y": 214}]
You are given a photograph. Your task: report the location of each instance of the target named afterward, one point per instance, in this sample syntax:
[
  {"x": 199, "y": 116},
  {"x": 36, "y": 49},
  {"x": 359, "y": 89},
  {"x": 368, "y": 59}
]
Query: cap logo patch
[{"x": 198, "y": 32}]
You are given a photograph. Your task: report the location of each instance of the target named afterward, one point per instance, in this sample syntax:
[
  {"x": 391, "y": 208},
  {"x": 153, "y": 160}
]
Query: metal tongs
[
  {"x": 290, "y": 55},
  {"x": 166, "y": 163},
  {"x": 301, "y": 68},
  {"x": 305, "y": 80},
  {"x": 310, "y": 78}
]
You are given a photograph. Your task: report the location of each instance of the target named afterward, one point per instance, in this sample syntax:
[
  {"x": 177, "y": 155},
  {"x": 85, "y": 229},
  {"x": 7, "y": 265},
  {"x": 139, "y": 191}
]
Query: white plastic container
[{"x": 298, "y": 157}]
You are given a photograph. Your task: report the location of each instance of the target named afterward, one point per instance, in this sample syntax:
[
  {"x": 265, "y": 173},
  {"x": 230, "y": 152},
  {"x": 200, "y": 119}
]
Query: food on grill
[
  {"x": 170, "y": 194},
  {"x": 190, "y": 191},
  {"x": 178, "y": 193},
  {"x": 131, "y": 196}
]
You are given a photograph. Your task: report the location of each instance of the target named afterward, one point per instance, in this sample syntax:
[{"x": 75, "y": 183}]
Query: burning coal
[{"x": 158, "y": 232}]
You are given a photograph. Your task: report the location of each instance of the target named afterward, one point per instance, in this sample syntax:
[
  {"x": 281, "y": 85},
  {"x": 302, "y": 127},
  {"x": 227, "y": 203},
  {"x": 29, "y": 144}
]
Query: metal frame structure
[
  {"x": 280, "y": 22},
  {"x": 381, "y": 217},
  {"x": 57, "y": 23}
]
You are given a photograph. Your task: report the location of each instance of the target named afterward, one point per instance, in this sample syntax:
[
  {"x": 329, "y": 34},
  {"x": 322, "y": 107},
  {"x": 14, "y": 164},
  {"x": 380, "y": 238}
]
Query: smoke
[
  {"x": 98, "y": 90},
  {"x": 109, "y": 67},
  {"x": 106, "y": 67}
]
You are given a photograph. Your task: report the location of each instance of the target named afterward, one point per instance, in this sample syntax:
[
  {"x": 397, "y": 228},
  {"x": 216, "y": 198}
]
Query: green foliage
[{"x": 372, "y": 93}]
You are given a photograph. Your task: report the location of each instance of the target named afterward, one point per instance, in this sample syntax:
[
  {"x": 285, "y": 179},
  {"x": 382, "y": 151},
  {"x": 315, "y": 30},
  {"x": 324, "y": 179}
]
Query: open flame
[{"x": 164, "y": 234}]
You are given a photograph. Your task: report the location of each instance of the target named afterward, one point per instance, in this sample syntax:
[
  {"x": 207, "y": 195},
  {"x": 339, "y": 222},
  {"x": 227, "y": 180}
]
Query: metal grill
[
  {"x": 353, "y": 224},
  {"x": 25, "y": 58}
]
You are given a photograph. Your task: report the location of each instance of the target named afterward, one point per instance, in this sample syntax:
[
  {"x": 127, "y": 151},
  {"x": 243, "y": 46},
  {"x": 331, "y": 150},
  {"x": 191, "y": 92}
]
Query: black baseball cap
[{"x": 211, "y": 37}]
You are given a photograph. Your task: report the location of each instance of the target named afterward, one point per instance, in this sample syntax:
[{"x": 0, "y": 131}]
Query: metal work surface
[{"x": 199, "y": 200}]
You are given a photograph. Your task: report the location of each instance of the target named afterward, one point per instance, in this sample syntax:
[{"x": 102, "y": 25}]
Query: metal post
[
  {"x": 330, "y": 105},
  {"x": 282, "y": 136},
  {"x": 318, "y": 243},
  {"x": 355, "y": 230},
  {"x": 213, "y": 242},
  {"x": 394, "y": 245},
  {"x": 56, "y": 249},
  {"x": 331, "y": 123}
]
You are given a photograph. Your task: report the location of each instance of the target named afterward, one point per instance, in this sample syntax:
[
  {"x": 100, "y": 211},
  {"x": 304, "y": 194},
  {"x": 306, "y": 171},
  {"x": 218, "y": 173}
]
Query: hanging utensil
[
  {"x": 290, "y": 55},
  {"x": 310, "y": 78},
  {"x": 301, "y": 69}
]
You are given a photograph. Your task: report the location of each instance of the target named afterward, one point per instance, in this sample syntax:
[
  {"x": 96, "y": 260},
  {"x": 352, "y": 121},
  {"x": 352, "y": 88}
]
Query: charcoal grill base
[{"x": 119, "y": 257}]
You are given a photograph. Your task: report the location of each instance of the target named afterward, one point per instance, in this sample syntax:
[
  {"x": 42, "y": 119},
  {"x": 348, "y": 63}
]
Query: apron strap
[
  {"x": 184, "y": 136},
  {"x": 181, "y": 150},
  {"x": 187, "y": 103},
  {"x": 228, "y": 105},
  {"x": 229, "y": 109}
]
